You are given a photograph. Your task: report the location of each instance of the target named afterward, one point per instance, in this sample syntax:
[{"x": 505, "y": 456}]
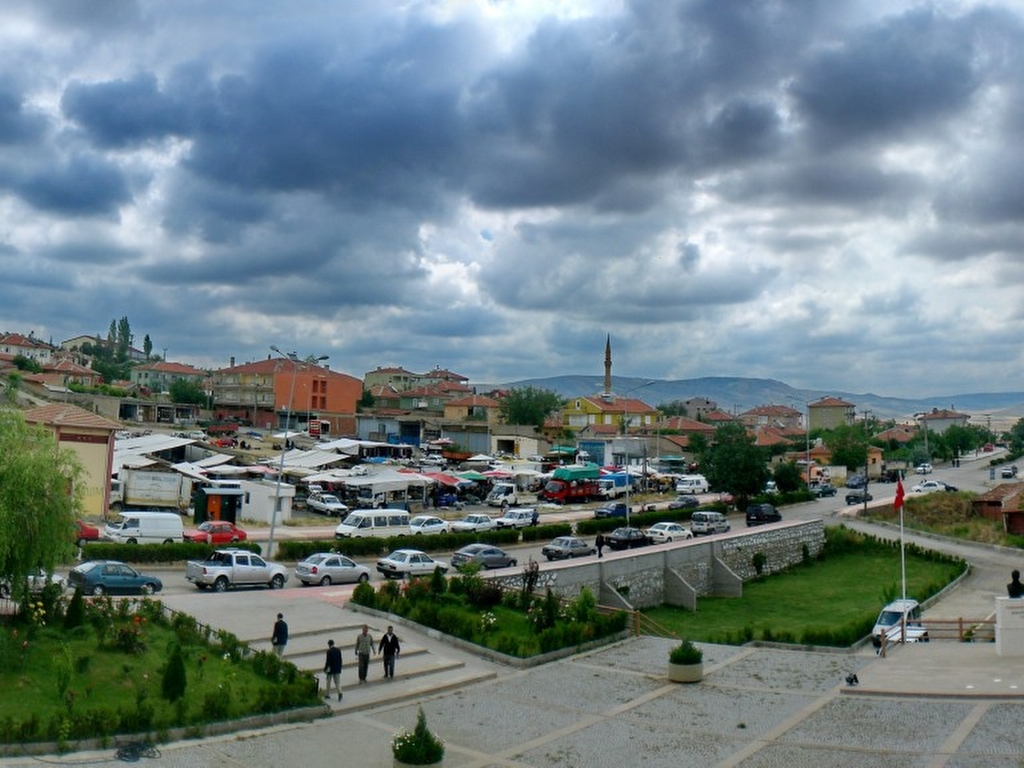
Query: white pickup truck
[
  {"x": 326, "y": 504},
  {"x": 235, "y": 568}
]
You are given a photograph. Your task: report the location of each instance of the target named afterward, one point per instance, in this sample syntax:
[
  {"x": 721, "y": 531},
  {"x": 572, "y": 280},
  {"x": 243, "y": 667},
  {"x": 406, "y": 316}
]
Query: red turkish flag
[{"x": 897, "y": 503}]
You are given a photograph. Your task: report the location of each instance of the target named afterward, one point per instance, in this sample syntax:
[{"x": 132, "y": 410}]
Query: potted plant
[
  {"x": 419, "y": 746},
  {"x": 686, "y": 663}
]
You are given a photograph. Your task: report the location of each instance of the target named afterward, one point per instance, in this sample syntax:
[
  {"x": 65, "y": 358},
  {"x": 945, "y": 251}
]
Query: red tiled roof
[
  {"x": 66, "y": 415},
  {"x": 830, "y": 402},
  {"x": 772, "y": 410},
  {"x": 475, "y": 400}
]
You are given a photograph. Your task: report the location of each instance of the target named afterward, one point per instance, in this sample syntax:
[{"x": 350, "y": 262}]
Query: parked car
[
  {"x": 708, "y": 522},
  {"x": 564, "y": 547},
  {"x": 824, "y": 489},
  {"x": 761, "y": 514},
  {"x": 616, "y": 509},
  {"x": 485, "y": 555},
  {"x": 858, "y": 496},
  {"x": 684, "y": 501},
  {"x": 626, "y": 538},
  {"x": 427, "y": 524},
  {"x": 326, "y": 504},
  {"x": 110, "y": 577},
  {"x": 891, "y": 617},
  {"x": 37, "y": 582},
  {"x": 518, "y": 518},
  {"x": 409, "y": 562},
  {"x": 85, "y": 532},
  {"x": 473, "y": 524},
  {"x": 923, "y": 469},
  {"x": 216, "y": 532},
  {"x": 1008, "y": 472},
  {"x": 665, "y": 532},
  {"x": 856, "y": 481},
  {"x": 326, "y": 568}
]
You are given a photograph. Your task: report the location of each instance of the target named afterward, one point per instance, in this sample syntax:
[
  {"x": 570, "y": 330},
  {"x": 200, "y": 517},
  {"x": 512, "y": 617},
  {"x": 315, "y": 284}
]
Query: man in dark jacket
[
  {"x": 280, "y": 637},
  {"x": 390, "y": 648},
  {"x": 332, "y": 669}
]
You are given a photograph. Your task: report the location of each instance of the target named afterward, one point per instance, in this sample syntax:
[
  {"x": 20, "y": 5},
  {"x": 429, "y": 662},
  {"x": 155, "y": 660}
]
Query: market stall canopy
[{"x": 470, "y": 474}]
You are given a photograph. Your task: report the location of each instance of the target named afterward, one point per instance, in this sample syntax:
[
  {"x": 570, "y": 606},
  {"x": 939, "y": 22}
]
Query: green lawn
[
  {"x": 833, "y": 601},
  {"x": 105, "y": 675}
]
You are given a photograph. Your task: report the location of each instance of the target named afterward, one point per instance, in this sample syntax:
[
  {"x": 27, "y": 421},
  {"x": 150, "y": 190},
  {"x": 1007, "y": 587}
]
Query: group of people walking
[{"x": 388, "y": 648}]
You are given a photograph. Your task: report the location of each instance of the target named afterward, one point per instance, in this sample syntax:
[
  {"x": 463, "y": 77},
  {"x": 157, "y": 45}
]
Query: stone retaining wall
[{"x": 680, "y": 572}]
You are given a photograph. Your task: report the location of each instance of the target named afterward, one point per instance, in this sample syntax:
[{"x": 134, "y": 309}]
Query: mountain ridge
[{"x": 735, "y": 394}]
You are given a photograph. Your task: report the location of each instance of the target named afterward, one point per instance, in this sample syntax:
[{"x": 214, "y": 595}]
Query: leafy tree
[
  {"x": 1017, "y": 437},
  {"x": 23, "y": 363},
  {"x": 147, "y": 346},
  {"x": 529, "y": 405},
  {"x": 367, "y": 400},
  {"x": 699, "y": 447},
  {"x": 848, "y": 446},
  {"x": 787, "y": 477},
  {"x": 124, "y": 339},
  {"x": 187, "y": 391},
  {"x": 39, "y": 499},
  {"x": 734, "y": 464},
  {"x": 674, "y": 408}
]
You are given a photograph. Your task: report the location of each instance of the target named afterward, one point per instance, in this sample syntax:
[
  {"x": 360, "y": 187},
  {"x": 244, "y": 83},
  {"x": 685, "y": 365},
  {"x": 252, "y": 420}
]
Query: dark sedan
[
  {"x": 627, "y": 538},
  {"x": 565, "y": 547},
  {"x": 858, "y": 496},
  {"x": 685, "y": 501},
  {"x": 484, "y": 555},
  {"x": 109, "y": 577}
]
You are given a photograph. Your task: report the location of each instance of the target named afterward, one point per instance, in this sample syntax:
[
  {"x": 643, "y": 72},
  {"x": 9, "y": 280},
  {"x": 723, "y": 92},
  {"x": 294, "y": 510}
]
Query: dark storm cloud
[
  {"x": 89, "y": 253},
  {"x": 18, "y": 125},
  {"x": 889, "y": 79},
  {"x": 123, "y": 112},
  {"x": 85, "y": 185}
]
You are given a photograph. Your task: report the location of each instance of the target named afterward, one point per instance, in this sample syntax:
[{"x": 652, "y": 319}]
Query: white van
[
  {"x": 503, "y": 495},
  {"x": 373, "y": 522},
  {"x": 145, "y": 528},
  {"x": 705, "y": 522},
  {"x": 692, "y": 484}
]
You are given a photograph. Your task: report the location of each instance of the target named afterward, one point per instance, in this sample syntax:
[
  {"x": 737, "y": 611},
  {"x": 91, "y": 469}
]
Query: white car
[
  {"x": 326, "y": 504},
  {"x": 37, "y": 582},
  {"x": 923, "y": 469},
  {"x": 930, "y": 485},
  {"x": 326, "y": 568},
  {"x": 427, "y": 524},
  {"x": 409, "y": 562},
  {"x": 473, "y": 524},
  {"x": 659, "y": 533}
]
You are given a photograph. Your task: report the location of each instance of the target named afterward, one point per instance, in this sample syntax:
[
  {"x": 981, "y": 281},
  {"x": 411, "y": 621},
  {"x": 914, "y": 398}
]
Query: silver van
[
  {"x": 706, "y": 523},
  {"x": 373, "y": 522}
]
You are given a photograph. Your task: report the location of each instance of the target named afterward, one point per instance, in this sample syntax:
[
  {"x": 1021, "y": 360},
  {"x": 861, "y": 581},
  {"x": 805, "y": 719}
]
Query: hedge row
[{"x": 156, "y": 553}]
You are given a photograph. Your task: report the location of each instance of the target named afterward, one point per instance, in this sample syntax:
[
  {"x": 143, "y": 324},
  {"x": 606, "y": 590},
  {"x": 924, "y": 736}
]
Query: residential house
[
  {"x": 473, "y": 408},
  {"x": 938, "y": 420},
  {"x": 778, "y": 416},
  {"x": 14, "y": 344},
  {"x": 599, "y": 412},
  {"x": 829, "y": 413},
  {"x": 158, "y": 376},
  {"x": 91, "y": 439},
  {"x": 1003, "y": 504},
  {"x": 698, "y": 407}
]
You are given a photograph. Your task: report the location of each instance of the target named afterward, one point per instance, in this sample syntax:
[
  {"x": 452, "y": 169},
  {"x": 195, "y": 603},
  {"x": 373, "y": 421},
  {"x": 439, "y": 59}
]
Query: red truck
[{"x": 573, "y": 484}]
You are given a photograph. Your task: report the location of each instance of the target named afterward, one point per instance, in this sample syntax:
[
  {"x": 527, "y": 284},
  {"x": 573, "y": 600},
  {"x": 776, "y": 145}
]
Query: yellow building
[{"x": 91, "y": 438}]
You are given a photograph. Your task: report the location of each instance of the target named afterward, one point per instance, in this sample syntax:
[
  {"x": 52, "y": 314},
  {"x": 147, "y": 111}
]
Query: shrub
[
  {"x": 686, "y": 653},
  {"x": 419, "y": 746},
  {"x": 75, "y": 614},
  {"x": 173, "y": 685}
]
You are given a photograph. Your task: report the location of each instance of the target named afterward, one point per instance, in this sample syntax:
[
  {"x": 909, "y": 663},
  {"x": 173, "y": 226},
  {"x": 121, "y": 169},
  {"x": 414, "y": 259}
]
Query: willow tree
[{"x": 39, "y": 500}]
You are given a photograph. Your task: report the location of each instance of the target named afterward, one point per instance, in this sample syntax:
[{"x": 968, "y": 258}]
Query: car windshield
[{"x": 888, "y": 618}]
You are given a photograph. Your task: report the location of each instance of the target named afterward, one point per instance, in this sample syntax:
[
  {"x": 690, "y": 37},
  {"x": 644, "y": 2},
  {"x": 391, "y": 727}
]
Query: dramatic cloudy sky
[{"x": 824, "y": 192}]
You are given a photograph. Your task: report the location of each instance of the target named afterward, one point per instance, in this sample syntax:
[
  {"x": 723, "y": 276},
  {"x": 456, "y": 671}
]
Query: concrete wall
[{"x": 680, "y": 572}]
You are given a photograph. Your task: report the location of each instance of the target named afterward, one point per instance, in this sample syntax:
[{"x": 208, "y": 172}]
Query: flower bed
[{"x": 516, "y": 623}]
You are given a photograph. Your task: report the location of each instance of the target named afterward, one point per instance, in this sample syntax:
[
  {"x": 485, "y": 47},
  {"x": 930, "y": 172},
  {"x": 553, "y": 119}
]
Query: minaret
[{"x": 608, "y": 366}]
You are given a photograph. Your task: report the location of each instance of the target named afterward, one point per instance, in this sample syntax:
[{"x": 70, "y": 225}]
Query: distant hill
[{"x": 735, "y": 395}]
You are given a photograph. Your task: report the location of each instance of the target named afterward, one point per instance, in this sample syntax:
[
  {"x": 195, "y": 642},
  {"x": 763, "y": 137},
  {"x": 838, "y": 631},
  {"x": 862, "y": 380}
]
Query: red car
[
  {"x": 85, "y": 532},
  {"x": 215, "y": 532}
]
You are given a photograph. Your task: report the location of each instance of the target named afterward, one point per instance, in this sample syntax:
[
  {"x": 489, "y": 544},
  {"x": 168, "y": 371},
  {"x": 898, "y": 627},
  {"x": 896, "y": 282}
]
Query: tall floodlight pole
[
  {"x": 625, "y": 433},
  {"x": 284, "y": 445}
]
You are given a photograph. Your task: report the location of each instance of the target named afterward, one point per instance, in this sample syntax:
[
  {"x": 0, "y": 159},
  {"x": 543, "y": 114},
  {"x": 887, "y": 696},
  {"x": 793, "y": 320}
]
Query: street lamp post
[
  {"x": 625, "y": 443},
  {"x": 284, "y": 446}
]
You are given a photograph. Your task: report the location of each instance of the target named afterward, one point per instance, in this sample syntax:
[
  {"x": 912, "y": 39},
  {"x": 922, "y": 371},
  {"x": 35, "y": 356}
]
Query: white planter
[{"x": 686, "y": 673}]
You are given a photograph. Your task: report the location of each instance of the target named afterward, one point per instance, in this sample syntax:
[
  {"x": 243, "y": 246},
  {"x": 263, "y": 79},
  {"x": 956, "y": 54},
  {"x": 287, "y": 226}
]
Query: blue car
[{"x": 110, "y": 577}]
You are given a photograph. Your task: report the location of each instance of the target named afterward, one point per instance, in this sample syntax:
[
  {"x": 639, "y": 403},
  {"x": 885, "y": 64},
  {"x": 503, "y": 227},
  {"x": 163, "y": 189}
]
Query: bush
[
  {"x": 419, "y": 746},
  {"x": 173, "y": 685},
  {"x": 686, "y": 653}
]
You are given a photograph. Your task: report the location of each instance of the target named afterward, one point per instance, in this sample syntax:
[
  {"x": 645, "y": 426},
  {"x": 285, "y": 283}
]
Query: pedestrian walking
[
  {"x": 332, "y": 670},
  {"x": 389, "y": 648},
  {"x": 599, "y": 543},
  {"x": 364, "y": 647},
  {"x": 279, "y": 639}
]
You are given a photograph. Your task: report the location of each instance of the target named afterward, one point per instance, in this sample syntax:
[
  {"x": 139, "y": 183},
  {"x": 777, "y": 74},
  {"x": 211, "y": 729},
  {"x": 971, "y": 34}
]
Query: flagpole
[{"x": 903, "y": 554}]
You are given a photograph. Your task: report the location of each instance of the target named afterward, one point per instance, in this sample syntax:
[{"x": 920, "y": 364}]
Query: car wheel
[
  {"x": 363, "y": 578},
  {"x": 325, "y": 581},
  {"x": 97, "y": 590},
  {"x": 221, "y": 584},
  {"x": 511, "y": 564},
  {"x": 5, "y": 591},
  {"x": 132, "y": 541},
  {"x": 550, "y": 558},
  {"x": 80, "y": 543},
  {"x": 234, "y": 540},
  {"x": 277, "y": 582},
  {"x": 147, "y": 589},
  {"x": 669, "y": 540}
]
